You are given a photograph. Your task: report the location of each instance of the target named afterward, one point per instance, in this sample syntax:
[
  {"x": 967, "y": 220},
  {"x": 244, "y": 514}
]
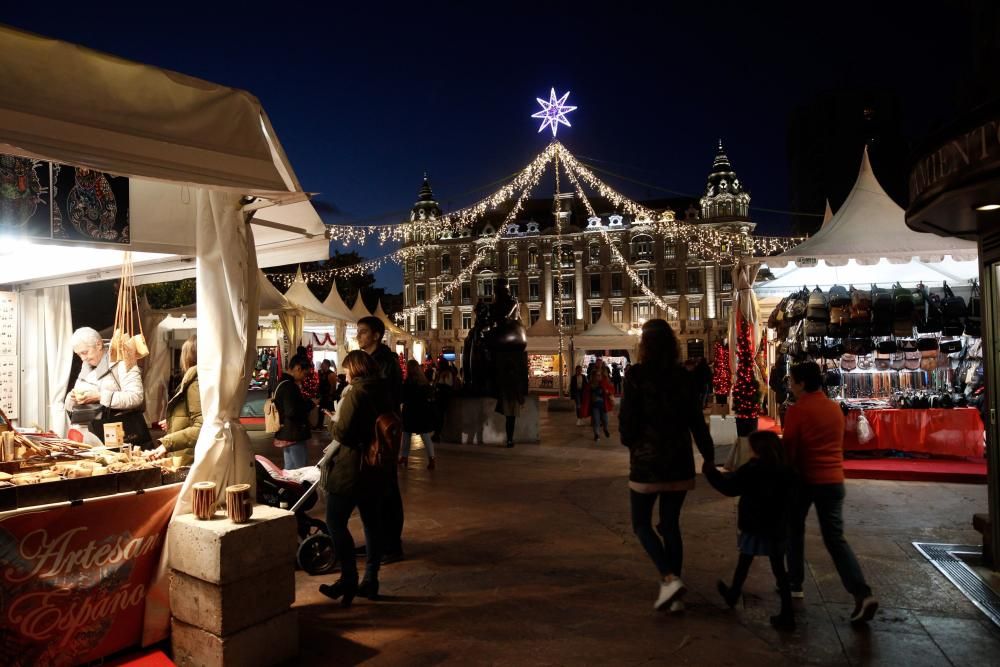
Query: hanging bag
[
  {"x": 272, "y": 418},
  {"x": 953, "y": 312},
  {"x": 973, "y": 319}
]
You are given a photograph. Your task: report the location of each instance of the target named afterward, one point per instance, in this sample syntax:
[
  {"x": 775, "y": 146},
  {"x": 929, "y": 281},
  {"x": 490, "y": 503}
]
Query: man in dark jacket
[
  {"x": 294, "y": 408},
  {"x": 370, "y": 332}
]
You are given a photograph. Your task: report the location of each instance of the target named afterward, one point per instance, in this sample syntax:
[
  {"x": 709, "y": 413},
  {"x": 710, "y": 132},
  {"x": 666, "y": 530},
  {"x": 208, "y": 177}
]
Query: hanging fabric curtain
[
  {"x": 744, "y": 305},
  {"x": 293, "y": 322}
]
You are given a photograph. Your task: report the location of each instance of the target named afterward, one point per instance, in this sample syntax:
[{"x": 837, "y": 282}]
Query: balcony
[
  {"x": 616, "y": 292},
  {"x": 595, "y": 294},
  {"x": 694, "y": 289},
  {"x": 642, "y": 256}
]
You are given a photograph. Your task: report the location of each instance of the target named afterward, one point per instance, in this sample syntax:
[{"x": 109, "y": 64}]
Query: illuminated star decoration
[{"x": 553, "y": 112}]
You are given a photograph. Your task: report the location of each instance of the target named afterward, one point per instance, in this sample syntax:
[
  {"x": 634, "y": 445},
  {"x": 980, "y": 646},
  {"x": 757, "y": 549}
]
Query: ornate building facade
[{"x": 532, "y": 258}]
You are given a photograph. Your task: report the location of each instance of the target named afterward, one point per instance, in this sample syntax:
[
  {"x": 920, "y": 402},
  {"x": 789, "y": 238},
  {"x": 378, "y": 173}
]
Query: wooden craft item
[
  {"x": 203, "y": 502},
  {"x": 239, "y": 505}
]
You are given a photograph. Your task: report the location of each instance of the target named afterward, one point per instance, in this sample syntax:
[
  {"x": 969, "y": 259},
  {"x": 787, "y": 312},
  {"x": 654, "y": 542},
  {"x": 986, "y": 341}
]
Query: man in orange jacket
[{"x": 814, "y": 443}]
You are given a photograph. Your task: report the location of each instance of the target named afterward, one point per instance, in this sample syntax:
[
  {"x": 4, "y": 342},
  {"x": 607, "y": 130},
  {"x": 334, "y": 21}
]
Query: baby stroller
[{"x": 316, "y": 553}]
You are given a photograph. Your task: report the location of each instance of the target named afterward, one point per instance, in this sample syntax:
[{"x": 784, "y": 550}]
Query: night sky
[{"x": 366, "y": 101}]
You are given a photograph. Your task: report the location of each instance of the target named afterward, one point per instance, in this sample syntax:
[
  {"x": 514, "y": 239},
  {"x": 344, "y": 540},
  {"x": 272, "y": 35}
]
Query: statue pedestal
[{"x": 473, "y": 421}]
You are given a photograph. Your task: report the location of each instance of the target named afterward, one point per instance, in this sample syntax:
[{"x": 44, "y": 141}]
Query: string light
[
  {"x": 722, "y": 376},
  {"x": 616, "y": 254},
  {"x": 745, "y": 388},
  {"x": 321, "y": 276},
  {"x": 534, "y": 174}
]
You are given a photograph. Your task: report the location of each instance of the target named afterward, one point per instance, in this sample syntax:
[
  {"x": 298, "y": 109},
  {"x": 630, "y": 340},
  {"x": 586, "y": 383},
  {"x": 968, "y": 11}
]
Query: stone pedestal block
[
  {"x": 474, "y": 421},
  {"x": 227, "y": 609},
  {"x": 272, "y": 642},
  {"x": 219, "y": 551}
]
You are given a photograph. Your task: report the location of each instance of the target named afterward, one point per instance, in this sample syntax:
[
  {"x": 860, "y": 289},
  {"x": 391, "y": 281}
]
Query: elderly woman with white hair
[{"x": 106, "y": 392}]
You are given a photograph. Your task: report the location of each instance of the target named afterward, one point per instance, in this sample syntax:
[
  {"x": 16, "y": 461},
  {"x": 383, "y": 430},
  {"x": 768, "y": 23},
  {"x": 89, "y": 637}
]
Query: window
[
  {"x": 569, "y": 317},
  {"x": 644, "y": 278},
  {"x": 466, "y": 321},
  {"x": 726, "y": 282},
  {"x": 421, "y": 323},
  {"x": 595, "y": 285},
  {"x": 618, "y": 314},
  {"x": 669, "y": 251},
  {"x": 533, "y": 289},
  {"x": 421, "y": 293},
  {"x": 421, "y": 264},
  {"x": 533, "y": 258},
  {"x": 694, "y": 312},
  {"x": 513, "y": 286},
  {"x": 642, "y": 248},
  {"x": 445, "y": 263},
  {"x": 485, "y": 287},
  {"x": 489, "y": 256},
  {"x": 512, "y": 258},
  {"x": 727, "y": 309},
  {"x": 466, "y": 293},
  {"x": 463, "y": 261},
  {"x": 567, "y": 288},
  {"x": 595, "y": 253},
  {"x": 670, "y": 281},
  {"x": 446, "y": 322},
  {"x": 641, "y": 311},
  {"x": 694, "y": 280},
  {"x": 595, "y": 314},
  {"x": 533, "y": 314},
  {"x": 566, "y": 256},
  {"x": 446, "y": 297},
  {"x": 616, "y": 284}
]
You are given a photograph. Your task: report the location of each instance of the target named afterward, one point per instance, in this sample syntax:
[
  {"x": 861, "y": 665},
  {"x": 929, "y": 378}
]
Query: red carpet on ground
[{"x": 936, "y": 469}]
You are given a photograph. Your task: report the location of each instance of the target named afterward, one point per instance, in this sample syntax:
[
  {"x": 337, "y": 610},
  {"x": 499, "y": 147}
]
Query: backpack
[
  {"x": 384, "y": 450},
  {"x": 861, "y": 312},
  {"x": 953, "y": 313},
  {"x": 272, "y": 418},
  {"x": 796, "y": 307}
]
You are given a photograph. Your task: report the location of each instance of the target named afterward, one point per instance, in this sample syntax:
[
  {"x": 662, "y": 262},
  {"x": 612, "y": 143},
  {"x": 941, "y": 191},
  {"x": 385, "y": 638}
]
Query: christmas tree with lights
[
  {"x": 722, "y": 377},
  {"x": 746, "y": 391}
]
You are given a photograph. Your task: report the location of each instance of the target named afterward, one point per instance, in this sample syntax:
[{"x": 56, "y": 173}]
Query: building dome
[
  {"x": 425, "y": 208},
  {"x": 725, "y": 197}
]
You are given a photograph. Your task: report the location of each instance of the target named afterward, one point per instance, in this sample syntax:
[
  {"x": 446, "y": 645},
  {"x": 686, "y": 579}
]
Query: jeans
[
  {"x": 667, "y": 554},
  {"x": 338, "y": 513},
  {"x": 829, "y": 501},
  {"x": 295, "y": 455},
  {"x": 425, "y": 437},
  {"x": 598, "y": 417}
]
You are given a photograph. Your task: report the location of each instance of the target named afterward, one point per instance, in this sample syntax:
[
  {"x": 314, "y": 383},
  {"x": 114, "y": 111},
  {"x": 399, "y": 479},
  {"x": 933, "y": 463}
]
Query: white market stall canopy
[
  {"x": 335, "y": 304},
  {"x": 300, "y": 295},
  {"x": 358, "y": 309},
  {"x": 867, "y": 241},
  {"x": 603, "y": 335},
  {"x": 543, "y": 337},
  {"x": 168, "y": 133},
  {"x": 391, "y": 327}
]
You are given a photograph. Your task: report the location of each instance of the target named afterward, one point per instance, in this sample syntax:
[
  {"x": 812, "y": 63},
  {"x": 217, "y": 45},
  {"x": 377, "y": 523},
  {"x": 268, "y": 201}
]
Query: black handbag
[
  {"x": 86, "y": 413},
  {"x": 133, "y": 424}
]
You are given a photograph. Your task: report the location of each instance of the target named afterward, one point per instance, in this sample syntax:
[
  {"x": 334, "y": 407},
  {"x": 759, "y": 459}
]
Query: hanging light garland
[
  {"x": 616, "y": 254},
  {"x": 536, "y": 169},
  {"x": 321, "y": 276}
]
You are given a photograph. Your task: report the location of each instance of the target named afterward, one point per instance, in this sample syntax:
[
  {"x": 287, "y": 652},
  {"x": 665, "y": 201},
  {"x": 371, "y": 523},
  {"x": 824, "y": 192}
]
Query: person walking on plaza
[
  {"x": 327, "y": 384},
  {"x": 814, "y": 442},
  {"x": 597, "y": 401},
  {"x": 764, "y": 485},
  {"x": 349, "y": 484},
  {"x": 576, "y": 384},
  {"x": 294, "y": 409},
  {"x": 658, "y": 416},
  {"x": 445, "y": 385},
  {"x": 370, "y": 332},
  {"x": 616, "y": 377},
  {"x": 418, "y": 413}
]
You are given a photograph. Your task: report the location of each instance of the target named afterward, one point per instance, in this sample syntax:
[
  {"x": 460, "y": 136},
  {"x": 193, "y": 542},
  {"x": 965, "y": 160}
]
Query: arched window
[
  {"x": 533, "y": 257},
  {"x": 642, "y": 248},
  {"x": 512, "y": 258}
]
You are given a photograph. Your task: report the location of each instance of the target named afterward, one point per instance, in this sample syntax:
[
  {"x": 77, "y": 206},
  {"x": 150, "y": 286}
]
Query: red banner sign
[{"x": 73, "y": 579}]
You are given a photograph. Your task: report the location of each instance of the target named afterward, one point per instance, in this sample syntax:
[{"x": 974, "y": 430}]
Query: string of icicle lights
[
  {"x": 536, "y": 169},
  {"x": 322, "y": 276},
  {"x": 616, "y": 254}
]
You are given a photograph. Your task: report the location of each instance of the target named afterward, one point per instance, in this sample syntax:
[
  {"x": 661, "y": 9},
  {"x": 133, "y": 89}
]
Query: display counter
[{"x": 942, "y": 432}]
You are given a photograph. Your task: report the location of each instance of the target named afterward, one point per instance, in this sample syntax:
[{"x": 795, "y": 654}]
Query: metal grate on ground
[{"x": 947, "y": 558}]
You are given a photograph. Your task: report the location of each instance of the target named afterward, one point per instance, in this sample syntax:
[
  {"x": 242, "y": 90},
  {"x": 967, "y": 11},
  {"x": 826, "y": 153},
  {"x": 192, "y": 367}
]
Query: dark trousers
[
  {"x": 829, "y": 501},
  {"x": 338, "y": 512},
  {"x": 667, "y": 553},
  {"x": 777, "y": 558},
  {"x": 392, "y": 518}
]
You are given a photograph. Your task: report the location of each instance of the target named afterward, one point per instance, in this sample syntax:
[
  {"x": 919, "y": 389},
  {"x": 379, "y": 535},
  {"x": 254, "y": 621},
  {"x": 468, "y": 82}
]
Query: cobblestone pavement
[{"x": 525, "y": 556}]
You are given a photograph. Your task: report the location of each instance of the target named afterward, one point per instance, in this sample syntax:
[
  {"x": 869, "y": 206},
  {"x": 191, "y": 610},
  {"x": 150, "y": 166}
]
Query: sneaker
[
  {"x": 797, "y": 593},
  {"x": 864, "y": 609},
  {"x": 669, "y": 591},
  {"x": 677, "y": 606}
]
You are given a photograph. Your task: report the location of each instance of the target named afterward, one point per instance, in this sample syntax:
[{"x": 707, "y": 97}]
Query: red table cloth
[{"x": 955, "y": 432}]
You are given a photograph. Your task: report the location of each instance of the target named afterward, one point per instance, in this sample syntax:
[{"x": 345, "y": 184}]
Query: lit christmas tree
[
  {"x": 722, "y": 377},
  {"x": 746, "y": 392}
]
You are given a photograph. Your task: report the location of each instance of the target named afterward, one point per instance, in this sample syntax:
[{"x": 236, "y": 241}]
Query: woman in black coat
[
  {"x": 660, "y": 412},
  {"x": 418, "y": 412},
  {"x": 294, "y": 408}
]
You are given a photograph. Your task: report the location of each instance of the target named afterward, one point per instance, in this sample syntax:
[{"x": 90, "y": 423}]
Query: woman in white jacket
[{"x": 117, "y": 389}]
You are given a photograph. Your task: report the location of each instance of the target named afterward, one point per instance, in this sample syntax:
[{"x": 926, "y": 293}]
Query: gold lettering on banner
[
  {"x": 44, "y": 615},
  {"x": 52, "y": 557}
]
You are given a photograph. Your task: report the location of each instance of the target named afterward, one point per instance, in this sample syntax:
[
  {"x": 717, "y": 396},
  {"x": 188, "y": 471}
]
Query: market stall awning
[
  {"x": 391, "y": 327},
  {"x": 335, "y": 304},
  {"x": 603, "y": 335},
  {"x": 62, "y": 101},
  {"x": 868, "y": 228},
  {"x": 300, "y": 295},
  {"x": 358, "y": 309}
]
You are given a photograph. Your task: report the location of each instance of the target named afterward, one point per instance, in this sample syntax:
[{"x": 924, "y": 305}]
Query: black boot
[
  {"x": 369, "y": 588},
  {"x": 345, "y": 590}
]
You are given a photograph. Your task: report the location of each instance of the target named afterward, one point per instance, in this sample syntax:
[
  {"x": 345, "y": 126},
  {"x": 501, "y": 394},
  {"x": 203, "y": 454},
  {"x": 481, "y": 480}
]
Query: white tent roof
[
  {"x": 390, "y": 326},
  {"x": 335, "y": 304},
  {"x": 827, "y": 215},
  {"x": 358, "y": 309},
  {"x": 300, "y": 295},
  {"x": 792, "y": 277},
  {"x": 604, "y": 335},
  {"x": 167, "y": 133},
  {"x": 870, "y": 227}
]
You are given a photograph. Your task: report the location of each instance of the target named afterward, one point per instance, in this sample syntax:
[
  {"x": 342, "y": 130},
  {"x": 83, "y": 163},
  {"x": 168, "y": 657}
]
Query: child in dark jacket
[{"x": 764, "y": 485}]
